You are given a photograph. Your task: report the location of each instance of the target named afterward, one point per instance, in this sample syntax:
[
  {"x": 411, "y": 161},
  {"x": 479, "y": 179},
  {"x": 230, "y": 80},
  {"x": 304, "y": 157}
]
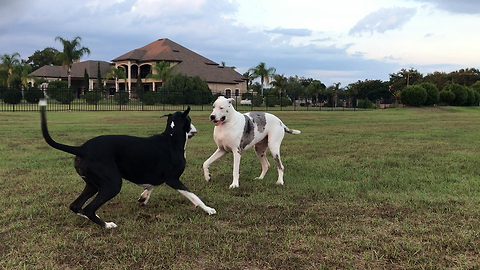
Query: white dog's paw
[
  {"x": 207, "y": 176},
  {"x": 258, "y": 178},
  {"x": 210, "y": 211},
  {"x": 280, "y": 183},
  {"x": 233, "y": 186},
  {"x": 110, "y": 225}
]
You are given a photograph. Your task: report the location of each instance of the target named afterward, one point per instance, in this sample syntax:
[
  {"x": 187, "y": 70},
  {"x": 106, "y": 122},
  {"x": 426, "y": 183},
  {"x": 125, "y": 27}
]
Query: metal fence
[{"x": 13, "y": 100}]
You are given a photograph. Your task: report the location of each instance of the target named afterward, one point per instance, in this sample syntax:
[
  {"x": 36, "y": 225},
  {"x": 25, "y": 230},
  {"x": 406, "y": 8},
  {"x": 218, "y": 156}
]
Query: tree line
[{"x": 265, "y": 81}]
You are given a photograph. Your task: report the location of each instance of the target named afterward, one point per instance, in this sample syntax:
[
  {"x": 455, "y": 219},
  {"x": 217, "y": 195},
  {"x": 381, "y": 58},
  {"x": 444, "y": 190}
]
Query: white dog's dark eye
[{"x": 221, "y": 108}]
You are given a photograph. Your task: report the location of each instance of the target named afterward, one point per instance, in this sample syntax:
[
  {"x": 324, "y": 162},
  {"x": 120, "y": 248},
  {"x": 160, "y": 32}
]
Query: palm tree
[
  {"x": 249, "y": 76},
  {"x": 72, "y": 51},
  {"x": 10, "y": 60},
  {"x": 163, "y": 71},
  {"x": 280, "y": 81},
  {"x": 116, "y": 73},
  {"x": 336, "y": 87},
  {"x": 23, "y": 72},
  {"x": 264, "y": 73}
]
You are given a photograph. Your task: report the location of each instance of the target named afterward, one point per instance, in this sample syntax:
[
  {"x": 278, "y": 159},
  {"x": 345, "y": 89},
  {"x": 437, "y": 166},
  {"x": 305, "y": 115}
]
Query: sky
[{"x": 331, "y": 41}]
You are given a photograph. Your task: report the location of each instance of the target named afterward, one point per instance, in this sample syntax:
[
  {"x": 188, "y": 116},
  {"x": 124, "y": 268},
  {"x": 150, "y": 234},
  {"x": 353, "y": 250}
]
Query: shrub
[
  {"x": 284, "y": 102},
  {"x": 461, "y": 93},
  {"x": 92, "y": 97},
  {"x": 12, "y": 96},
  {"x": 122, "y": 98},
  {"x": 271, "y": 101},
  {"x": 446, "y": 96},
  {"x": 413, "y": 95},
  {"x": 175, "y": 98},
  {"x": 365, "y": 104},
  {"x": 470, "y": 98},
  {"x": 433, "y": 96},
  {"x": 151, "y": 98},
  {"x": 257, "y": 100},
  {"x": 33, "y": 95}
]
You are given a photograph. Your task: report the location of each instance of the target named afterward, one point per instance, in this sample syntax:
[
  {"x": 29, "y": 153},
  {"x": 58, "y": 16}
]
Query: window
[
  {"x": 237, "y": 92},
  {"x": 144, "y": 71},
  {"x": 228, "y": 93}
]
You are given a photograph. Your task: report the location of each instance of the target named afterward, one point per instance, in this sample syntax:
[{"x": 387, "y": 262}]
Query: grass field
[{"x": 393, "y": 189}]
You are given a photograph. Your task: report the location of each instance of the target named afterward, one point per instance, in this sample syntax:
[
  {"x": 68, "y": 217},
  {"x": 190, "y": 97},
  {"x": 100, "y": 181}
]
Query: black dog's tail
[{"x": 43, "y": 122}]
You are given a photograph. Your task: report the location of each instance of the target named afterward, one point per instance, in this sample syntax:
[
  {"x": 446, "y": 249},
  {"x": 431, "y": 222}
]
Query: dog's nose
[{"x": 212, "y": 117}]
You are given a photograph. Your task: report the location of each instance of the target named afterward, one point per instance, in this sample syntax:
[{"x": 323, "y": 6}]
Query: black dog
[{"x": 103, "y": 161}]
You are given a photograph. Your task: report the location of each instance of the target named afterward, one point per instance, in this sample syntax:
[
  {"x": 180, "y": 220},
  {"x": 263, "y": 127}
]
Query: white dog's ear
[{"x": 230, "y": 100}]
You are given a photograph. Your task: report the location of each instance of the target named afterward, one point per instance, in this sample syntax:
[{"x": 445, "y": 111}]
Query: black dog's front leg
[{"x": 176, "y": 184}]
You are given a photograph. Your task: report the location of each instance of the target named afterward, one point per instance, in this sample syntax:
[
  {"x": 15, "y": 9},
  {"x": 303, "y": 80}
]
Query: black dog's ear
[{"x": 185, "y": 113}]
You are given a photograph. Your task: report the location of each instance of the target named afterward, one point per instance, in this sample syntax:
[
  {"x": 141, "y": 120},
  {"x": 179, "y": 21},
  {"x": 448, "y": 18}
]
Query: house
[
  {"x": 53, "y": 73},
  {"x": 138, "y": 63}
]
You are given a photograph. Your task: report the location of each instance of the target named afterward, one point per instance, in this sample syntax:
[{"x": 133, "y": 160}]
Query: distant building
[
  {"x": 53, "y": 73},
  {"x": 138, "y": 63}
]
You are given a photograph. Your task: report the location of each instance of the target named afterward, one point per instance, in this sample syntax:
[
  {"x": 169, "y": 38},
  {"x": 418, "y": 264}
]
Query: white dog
[{"x": 236, "y": 132}]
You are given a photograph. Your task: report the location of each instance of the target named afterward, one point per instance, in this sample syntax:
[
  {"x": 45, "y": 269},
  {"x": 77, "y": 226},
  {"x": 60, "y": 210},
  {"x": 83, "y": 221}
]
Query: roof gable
[
  {"x": 189, "y": 62},
  {"x": 78, "y": 70}
]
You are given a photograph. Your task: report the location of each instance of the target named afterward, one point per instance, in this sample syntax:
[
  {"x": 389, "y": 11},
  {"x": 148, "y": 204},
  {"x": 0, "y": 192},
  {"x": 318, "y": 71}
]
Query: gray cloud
[
  {"x": 290, "y": 32},
  {"x": 383, "y": 20},
  {"x": 457, "y": 6},
  {"x": 114, "y": 29}
]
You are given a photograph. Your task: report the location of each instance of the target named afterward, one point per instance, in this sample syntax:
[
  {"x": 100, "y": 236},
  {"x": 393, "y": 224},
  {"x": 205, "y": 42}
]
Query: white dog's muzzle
[{"x": 216, "y": 121}]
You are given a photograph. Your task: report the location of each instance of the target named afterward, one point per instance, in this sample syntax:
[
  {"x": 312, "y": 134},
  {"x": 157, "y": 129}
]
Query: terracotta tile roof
[
  {"x": 190, "y": 63},
  {"x": 78, "y": 70}
]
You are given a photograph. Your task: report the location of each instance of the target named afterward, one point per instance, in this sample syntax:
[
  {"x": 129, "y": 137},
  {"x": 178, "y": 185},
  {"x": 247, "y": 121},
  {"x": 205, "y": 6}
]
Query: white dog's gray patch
[
  {"x": 248, "y": 133},
  {"x": 260, "y": 120}
]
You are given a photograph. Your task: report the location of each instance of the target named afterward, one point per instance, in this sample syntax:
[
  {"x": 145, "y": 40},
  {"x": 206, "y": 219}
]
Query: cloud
[
  {"x": 457, "y": 6},
  {"x": 290, "y": 32},
  {"x": 383, "y": 20}
]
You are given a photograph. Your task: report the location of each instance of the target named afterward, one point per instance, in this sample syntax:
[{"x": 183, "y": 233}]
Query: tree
[
  {"x": 99, "y": 78},
  {"x": 413, "y": 95},
  {"x": 72, "y": 51},
  {"x": 117, "y": 74},
  {"x": 264, "y": 73},
  {"x": 433, "y": 95},
  {"x": 10, "y": 60},
  {"x": 371, "y": 89},
  {"x": 250, "y": 77},
  {"x": 314, "y": 89},
  {"x": 43, "y": 58},
  {"x": 460, "y": 92},
  {"x": 335, "y": 88},
  {"x": 405, "y": 77},
  {"x": 161, "y": 71},
  {"x": 466, "y": 76},
  {"x": 86, "y": 79},
  {"x": 279, "y": 81}
]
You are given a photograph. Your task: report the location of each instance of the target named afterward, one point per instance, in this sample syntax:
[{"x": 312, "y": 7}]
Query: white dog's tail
[{"x": 291, "y": 131}]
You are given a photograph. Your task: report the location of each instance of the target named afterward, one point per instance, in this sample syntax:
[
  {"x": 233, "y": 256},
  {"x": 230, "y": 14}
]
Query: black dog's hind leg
[
  {"x": 87, "y": 193},
  {"x": 109, "y": 185},
  {"x": 176, "y": 184}
]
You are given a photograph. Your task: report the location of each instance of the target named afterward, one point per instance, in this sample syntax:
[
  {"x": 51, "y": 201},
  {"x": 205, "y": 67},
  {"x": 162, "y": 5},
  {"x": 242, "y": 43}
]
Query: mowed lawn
[{"x": 393, "y": 189}]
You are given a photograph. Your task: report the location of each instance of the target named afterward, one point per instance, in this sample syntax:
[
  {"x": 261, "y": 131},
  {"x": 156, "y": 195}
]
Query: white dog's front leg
[
  {"x": 236, "y": 169},
  {"x": 218, "y": 154}
]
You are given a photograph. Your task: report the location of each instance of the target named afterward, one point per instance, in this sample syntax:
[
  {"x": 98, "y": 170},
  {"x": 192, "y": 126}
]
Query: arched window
[
  {"x": 134, "y": 71},
  {"x": 144, "y": 71},
  {"x": 228, "y": 93}
]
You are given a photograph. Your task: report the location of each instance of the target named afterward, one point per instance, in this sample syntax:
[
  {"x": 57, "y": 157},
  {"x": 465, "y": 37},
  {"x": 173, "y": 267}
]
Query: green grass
[{"x": 394, "y": 189}]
